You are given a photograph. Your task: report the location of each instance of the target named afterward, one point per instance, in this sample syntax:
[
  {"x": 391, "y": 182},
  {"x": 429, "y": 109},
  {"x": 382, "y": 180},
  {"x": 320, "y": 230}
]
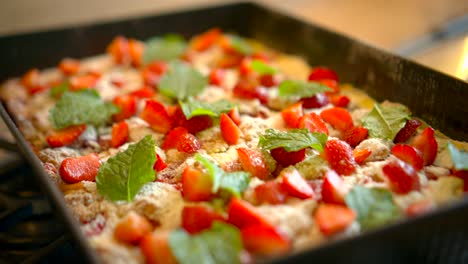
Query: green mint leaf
[
  {"x": 385, "y": 121},
  {"x": 193, "y": 107},
  {"x": 233, "y": 183},
  {"x": 164, "y": 48},
  {"x": 459, "y": 157},
  {"x": 292, "y": 140},
  {"x": 374, "y": 206},
  {"x": 240, "y": 45},
  {"x": 122, "y": 176},
  {"x": 81, "y": 107},
  {"x": 58, "y": 90},
  {"x": 296, "y": 88},
  {"x": 262, "y": 68},
  {"x": 181, "y": 81},
  {"x": 222, "y": 244}
]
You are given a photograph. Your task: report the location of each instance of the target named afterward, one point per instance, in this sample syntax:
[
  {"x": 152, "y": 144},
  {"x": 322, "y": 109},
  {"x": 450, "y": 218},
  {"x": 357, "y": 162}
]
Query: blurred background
[{"x": 433, "y": 32}]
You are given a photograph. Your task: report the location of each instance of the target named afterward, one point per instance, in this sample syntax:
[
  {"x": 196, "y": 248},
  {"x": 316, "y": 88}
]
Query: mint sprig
[
  {"x": 122, "y": 176},
  {"x": 81, "y": 107},
  {"x": 168, "y": 47},
  {"x": 385, "y": 121},
  {"x": 459, "y": 157},
  {"x": 221, "y": 243},
  {"x": 233, "y": 183},
  {"x": 182, "y": 81},
  {"x": 193, "y": 107},
  {"x": 292, "y": 140},
  {"x": 240, "y": 44},
  {"x": 302, "y": 89},
  {"x": 262, "y": 68}
]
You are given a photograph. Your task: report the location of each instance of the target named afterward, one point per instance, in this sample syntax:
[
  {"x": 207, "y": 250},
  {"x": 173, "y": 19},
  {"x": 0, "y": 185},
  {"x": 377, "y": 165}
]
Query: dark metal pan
[{"x": 438, "y": 237}]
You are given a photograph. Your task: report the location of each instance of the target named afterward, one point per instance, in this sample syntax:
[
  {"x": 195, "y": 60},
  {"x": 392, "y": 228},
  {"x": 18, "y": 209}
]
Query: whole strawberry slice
[
  {"x": 265, "y": 240},
  {"x": 355, "y": 135},
  {"x": 402, "y": 177},
  {"x": 407, "y": 131},
  {"x": 409, "y": 154},
  {"x": 85, "y": 168},
  {"x": 332, "y": 218},
  {"x": 321, "y": 73},
  {"x": 196, "y": 218},
  {"x": 242, "y": 214},
  {"x": 340, "y": 156},
  {"x": 66, "y": 136},
  {"x": 196, "y": 186},
  {"x": 270, "y": 192},
  {"x": 333, "y": 188},
  {"x": 426, "y": 143},
  {"x": 253, "y": 162},
  {"x": 338, "y": 117},
  {"x": 157, "y": 117},
  {"x": 313, "y": 123},
  {"x": 286, "y": 158},
  {"x": 295, "y": 185}
]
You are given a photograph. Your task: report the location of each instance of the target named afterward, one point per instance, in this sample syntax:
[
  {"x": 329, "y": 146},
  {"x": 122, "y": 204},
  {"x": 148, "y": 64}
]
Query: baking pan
[{"x": 438, "y": 237}]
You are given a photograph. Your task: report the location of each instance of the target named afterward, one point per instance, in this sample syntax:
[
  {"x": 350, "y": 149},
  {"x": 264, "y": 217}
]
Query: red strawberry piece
[
  {"x": 198, "y": 123},
  {"x": 157, "y": 117},
  {"x": 292, "y": 115},
  {"x": 156, "y": 249},
  {"x": 333, "y": 188},
  {"x": 360, "y": 155},
  {"x": 196, "y": 218},
  {"x": 286, "y": 158},
  {"x": 120, "y": 134},
  {"x": 229, "y": 130},
  {"x": 119, "y": 50},
  {"x": 117, "y": 82},
  {"x": 265, "y": 240},
  {"x": 245, "y": 68},
  {"x": 173, "y": 137},
  {"x": 338, "y": 117},
  {"x": 145, "y": 92},
  {"x": 270, "y": 192},
  {"x": 217, "y": 77},
  {"x": 132, "y": 228},
  {"x": 206, "y": 40},
  {"x": 402, "y": 177},
  {"x": 462, "y": 174},
  {"x": 321, "y": 73},
  {"x": 159, "y": 165},
  {"x": 234, "y": 115},
  {"x": 246, "y": 89},
  {"x": 85, "y": 81},
  {"x": 339, "y": 100},
  {"x": 69, "y": 66},
  {"x": 409, "y": 154},
  {"x": 242, "y": 214},
  {"x": 340, "y": 156},
  {"x": 136, "y": 49},
  {"x": 313, "y": 123},
  {"x": 196, "y": 186},
  {"x": 407, "y": 131},
  {"x": 127, "y": 105},
  {"x": 317, "y": 101},
  {"x": 188, "y": 143},
  {"x": 427, "y": 144},
  {"x": 355, "y": 135},
  {"x": 66, "y": 136},
  {"x": 295, "y": 185},
  {"x": 158, "y": 67},
  {"x": 150, "y": 78},
  {"x": 419, "y": 208},
  {"x": 85, "y": 168},
  {"x": 333, "y": 218},
  {"x": 253, "y": 162},
  {"x": 268, "y": 80}
]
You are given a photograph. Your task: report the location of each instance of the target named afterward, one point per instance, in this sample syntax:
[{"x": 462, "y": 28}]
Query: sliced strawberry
[
  {"x": 188, "y": 143},
  {"x": 157, "y": 117},
  {"x": 173, "y": 137},
  {"x": 249, "y": 90},
  {"x": 145, "y": 92},
  {"x": 234, "y": 115},
  {"x": 265, "y": 240},
  {"x": 270, "y": 192},
  {"x": 119, "y": 50},
  {"x": 66, "y": 136},
  {"x": 313, "y": 123},
  {"x": 69, "y": 66},
  {"x": 117, "y": 82},
  {"x": 135, "y": 50},
  {"x": 156, "y": 249},
  {"x": 197, "y": 123},
  {"x": 419, "y": 208},
  {"x": 340, "y": 156},
  {"x": 242, "y": 214},
  {"x": 217, "y": 77},
  {"x": 409, "y": 154},
  {"x": 127, "y": 105},
  {"x": 317, "y": 101},
  {"x": 292, "y": 114},
  {"x": 229, "y": 60},
  {"x": 333, "y": 188},
  {"x": 462, "y": 174},
  {"x": 339, "y": 100},
  {"x": 402, "y": 177},
  {"x": 132, "y": 228},
  {"x": 427, "y": 144},
  {"x": 196, "y": 186},
  {"x": 333, "y": 218},
  {"x": 85, "y": 168},
  {"x": 253, "y": 162},
  {"x": 338, "y": 117},
  {"x": 407, "y": 131},
  {"x": 322, "y": 73},
  {"x": 160, "y": 164},
  {"x": 229, "y": 130},
  {"x": 31, "y": 82},
  {"x": 295, "y": 185},
  {"x": 158, "y": 67},
  {"x": 120, "y": 134},
  {"x": 196, "y": 218},
  {"x": 360, "y": 155},
  {"x": 205, "y": 40},
  {"x": 268, "y": 80},
  {"x": 286, "y": 158},
  {"x": 245, "y": 68},
  {"x": 355, "y": 135},
  {"x": 85, "y": 81},
  {"x": 153, "y": 72}
]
